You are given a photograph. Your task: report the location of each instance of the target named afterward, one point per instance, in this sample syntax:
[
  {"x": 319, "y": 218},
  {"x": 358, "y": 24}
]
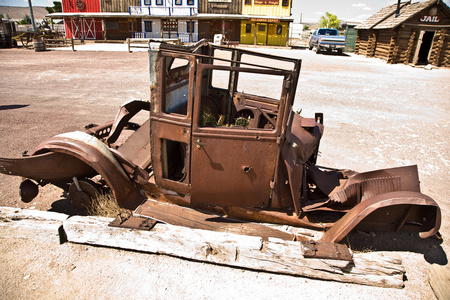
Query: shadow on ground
[{"x": 398, "y": 241}]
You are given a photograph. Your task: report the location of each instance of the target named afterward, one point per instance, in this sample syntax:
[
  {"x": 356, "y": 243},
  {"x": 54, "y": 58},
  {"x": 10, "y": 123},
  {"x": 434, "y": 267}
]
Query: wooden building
[
  {"x": 220, "y": 17},
  {"x": 167, "y": 19},
  {"x": 417, "y": 33},
  {"x": 119, "y": 28},
  {"x": 268, "y": 24},
  {"x": 82, "y": 28},
  {"x": 262, "y": 22}
]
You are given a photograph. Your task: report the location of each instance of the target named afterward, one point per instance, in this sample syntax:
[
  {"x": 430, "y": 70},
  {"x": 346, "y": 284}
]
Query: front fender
[
  {"x": 95, "y": 154},
  {"x": 397, "y": 210}
]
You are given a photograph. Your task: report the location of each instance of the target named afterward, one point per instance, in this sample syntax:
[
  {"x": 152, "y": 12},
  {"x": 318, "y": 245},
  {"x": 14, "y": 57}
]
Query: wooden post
[
  {"x": 73, "y": 43},
  {"x": 254, "y": 39},
  {"x": 287, "y": 35},
  {"x": 129, "y": 46},
  {"x": 191, "y": 27}
]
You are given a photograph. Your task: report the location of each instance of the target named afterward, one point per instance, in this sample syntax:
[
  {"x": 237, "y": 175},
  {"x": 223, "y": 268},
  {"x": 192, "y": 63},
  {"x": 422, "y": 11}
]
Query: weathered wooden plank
[
  {"x": 31, "y": 224},
  {"x": 274, "y": 255},
  {"x": 439, "y": 278},
  {"x": 188, "y": 217}
]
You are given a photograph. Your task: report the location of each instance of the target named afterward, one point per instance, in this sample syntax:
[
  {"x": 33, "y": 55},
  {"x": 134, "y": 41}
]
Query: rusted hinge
[
  {"x": 325, "y": 250},
  {"x": 133, "y": 222}
]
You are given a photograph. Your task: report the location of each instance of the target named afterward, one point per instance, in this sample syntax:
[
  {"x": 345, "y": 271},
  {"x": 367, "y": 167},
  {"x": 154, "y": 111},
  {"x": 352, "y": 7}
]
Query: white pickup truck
[{"x": 327, "y": 39}]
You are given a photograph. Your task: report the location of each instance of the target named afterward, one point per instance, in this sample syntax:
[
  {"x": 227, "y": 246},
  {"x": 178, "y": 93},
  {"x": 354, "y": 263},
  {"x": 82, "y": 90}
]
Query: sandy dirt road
[{"x": 376, "y": 116}]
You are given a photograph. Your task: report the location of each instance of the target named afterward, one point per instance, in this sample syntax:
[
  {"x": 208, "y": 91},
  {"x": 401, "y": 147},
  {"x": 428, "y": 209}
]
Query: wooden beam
[
  {"x": 272, "y": 255},
  {"x": 31, "y": 224}
]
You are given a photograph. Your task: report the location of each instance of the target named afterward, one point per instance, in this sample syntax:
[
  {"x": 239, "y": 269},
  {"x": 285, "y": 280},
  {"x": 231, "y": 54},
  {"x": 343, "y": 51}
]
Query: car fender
[
  {"x": 361, "y": 211},
  {"x": 94, "y": 153}
]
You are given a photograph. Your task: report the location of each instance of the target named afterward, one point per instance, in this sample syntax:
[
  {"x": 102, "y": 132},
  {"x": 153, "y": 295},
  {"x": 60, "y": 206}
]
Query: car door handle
[{"x": 199, "y": 143}]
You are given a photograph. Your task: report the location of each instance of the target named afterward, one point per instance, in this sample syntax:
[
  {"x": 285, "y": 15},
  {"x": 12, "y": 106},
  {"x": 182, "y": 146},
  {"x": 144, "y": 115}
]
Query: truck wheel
[
  {"x": 82, "y": 194},
  {"x": 318, "y": 50},
  {"x": 310, "y": 47},
  {"x": 339, "y": 51}
]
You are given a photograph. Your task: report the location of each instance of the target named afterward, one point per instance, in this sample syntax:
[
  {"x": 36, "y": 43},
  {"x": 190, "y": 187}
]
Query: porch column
[
  {"x": 191, "y": 27},
  {"x": 254, "y": 42}
]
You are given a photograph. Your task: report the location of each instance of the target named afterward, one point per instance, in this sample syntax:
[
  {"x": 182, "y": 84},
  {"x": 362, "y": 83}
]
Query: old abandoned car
[{"x": 214, "y": 142}]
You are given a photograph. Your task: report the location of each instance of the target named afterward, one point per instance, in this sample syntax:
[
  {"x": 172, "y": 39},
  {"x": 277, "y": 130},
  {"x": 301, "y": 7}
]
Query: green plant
[
  {"x": 25, "y": 20},
  {"x": 329, "y": 21}
]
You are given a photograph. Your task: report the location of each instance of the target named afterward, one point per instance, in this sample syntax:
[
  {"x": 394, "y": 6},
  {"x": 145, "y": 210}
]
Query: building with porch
[
  {"x": 262, "y": 22},
  {"x": 167, "y": 19},
  {"x": 416, "y": 33}
]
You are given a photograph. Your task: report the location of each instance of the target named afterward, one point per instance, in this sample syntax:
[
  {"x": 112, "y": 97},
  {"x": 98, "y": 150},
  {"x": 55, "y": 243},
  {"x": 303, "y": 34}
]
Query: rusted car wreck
[{"x": 210, "y": 143}]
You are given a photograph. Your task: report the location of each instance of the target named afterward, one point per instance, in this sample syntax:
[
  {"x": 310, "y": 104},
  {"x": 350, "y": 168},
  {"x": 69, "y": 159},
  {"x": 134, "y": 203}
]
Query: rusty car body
[{"x": 215, "y": 141}]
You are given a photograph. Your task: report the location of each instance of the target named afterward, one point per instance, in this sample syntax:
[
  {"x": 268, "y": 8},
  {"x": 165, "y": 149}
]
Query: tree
[
  {"x": 25, "y": 20},
  {"x": 329, "y": 21},
  {"x": 55, "y": 9}
]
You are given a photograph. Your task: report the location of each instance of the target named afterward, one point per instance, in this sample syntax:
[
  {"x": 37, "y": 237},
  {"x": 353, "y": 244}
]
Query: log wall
[{"x": 118, "y": 5}]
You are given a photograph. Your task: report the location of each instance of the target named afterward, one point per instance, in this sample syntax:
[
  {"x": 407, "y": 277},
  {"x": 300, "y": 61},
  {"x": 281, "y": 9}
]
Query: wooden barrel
[{"x": 38, "y": 45}]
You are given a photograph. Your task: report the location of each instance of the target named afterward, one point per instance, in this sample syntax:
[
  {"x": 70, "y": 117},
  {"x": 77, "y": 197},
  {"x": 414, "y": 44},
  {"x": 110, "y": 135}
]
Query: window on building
[
  {"x": 178, "y": 2},
  {"x": 248, "y": 2},
  {"x": 190, "y": 26},
  {"x": 159, "y": 2},
  {"x": 285, "y": 3},
  {"x": 261, "y": 27},
  {"x": 112, "y": 24},
  {"x": 190, "y": 2},
  {"x": 148, "y": 26},
  {"x": 147, "y": 2},
  {"x": 279, "y": 29},
  {"x": 248, "y": 28}
]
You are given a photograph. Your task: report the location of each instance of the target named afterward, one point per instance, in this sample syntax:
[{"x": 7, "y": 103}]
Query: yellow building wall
[
  {"x": 267, "y": 10},
  {"x": 266, "y": 34}
]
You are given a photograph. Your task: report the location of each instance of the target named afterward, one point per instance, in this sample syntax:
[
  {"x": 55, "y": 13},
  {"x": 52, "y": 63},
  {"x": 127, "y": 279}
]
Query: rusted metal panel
[
  {"x": 132, "y": 222},
  {"x": 326, "y": 250}
]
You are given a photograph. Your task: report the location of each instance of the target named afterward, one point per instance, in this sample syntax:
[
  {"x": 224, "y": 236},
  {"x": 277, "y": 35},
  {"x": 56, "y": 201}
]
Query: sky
[
  {"x": 310, "y": 11},
  {"x": 345, "y": 10}
]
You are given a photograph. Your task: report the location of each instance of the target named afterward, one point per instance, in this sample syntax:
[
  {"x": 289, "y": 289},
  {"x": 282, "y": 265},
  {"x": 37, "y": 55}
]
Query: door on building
[
  {"x": 261, "y": 33},
  {"x": 423, "y": 49},
  {"x": 85, "y": 29}
]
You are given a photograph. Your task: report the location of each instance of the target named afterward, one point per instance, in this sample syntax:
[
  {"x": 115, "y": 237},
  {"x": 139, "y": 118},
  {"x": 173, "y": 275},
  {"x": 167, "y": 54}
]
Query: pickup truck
[
  {"x": 215, "y": 141},
  {"x": 327, "y": 39}
]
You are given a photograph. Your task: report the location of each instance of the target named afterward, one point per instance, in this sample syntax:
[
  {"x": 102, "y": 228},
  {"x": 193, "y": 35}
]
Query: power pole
[{"x": 31, "y": 15}]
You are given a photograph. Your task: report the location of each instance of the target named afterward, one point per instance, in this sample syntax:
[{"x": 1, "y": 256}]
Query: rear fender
[
  {"x": 94, "y": 153},
  {"x": 412, "y": 207}
]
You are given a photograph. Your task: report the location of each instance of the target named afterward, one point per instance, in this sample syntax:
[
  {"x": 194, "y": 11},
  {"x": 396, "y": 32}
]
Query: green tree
[
  {"x": 25, "y": 20},
  {"x": 306, "y": 27},
  {"x": 55, "y": 9},
  {"x": 329, "y": 21}
]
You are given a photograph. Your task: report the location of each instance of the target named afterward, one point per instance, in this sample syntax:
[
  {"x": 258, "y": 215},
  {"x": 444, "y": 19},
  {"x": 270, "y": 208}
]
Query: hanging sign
[
  {"x": 430, "y": 19},
  {"x": 264, "y": 20},
  {"x": 267, "y": 2}
]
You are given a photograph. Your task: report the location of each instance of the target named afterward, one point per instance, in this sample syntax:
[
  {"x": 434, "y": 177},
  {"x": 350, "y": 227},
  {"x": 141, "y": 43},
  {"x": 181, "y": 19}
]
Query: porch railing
[{"x": 162, "y": 11}]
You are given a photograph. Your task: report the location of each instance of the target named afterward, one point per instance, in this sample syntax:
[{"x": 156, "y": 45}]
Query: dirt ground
[{"x": 376, "y": 116}]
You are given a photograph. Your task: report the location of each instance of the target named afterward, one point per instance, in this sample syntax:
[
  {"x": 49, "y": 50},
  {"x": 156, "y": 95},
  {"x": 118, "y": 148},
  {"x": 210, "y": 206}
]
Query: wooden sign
[
  {"x": 430, "y": 19},
  {"x": 264, "y": 20},
  {"x": 267, "y": 2}
]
